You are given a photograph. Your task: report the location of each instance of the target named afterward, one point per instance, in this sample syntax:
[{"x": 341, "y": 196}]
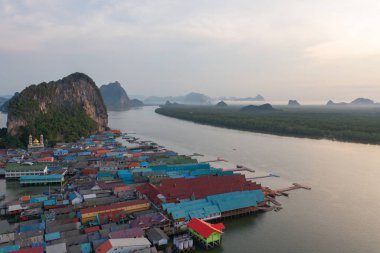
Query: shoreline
[{"x": 267, "y": 132}]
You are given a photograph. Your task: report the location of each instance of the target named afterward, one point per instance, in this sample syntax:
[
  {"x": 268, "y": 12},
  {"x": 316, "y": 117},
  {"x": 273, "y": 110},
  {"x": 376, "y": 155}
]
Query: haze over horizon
[{"x": 309, "y": 50}]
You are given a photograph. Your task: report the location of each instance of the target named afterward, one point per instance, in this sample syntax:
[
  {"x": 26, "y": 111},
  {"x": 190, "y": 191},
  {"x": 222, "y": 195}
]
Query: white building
[
  {"x": 123, "y": 245},
  {"x": 14, "y": 171}
]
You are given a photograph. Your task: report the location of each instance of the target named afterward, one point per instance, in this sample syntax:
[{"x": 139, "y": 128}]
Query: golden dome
[{"x": 36, "y": 141}]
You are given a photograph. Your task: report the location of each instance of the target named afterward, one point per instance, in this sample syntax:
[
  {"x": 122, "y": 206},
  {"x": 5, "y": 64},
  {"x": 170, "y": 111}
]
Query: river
[{"x": 339, "y": 214}]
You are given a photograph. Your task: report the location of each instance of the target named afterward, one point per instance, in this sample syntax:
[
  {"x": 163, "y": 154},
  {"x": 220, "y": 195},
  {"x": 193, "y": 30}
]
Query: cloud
[{"x": 216, "y": 46}]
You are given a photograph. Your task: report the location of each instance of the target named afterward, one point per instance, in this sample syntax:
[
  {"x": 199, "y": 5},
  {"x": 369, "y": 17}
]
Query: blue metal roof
[
  {"x": 38, "y": 199},
  {"x": 74, "y": 195},
  {"x": 52, "y": 236},
  {"x": 31, "y": 227},
  {"x": 86, "y": 247},
  {"x": 41, "y": 177},
  {"x": 50, "y": 202},
  {"x": 10, "y": 248},
  {"x": 214, "y": 205}
]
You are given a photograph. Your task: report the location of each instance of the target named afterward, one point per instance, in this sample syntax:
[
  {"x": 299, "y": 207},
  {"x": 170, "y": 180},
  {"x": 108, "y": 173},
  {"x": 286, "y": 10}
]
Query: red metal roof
[
  {"x": 127, "y": 233},
  {"x": 30, "y": 250},
  {"x": 91, "y": 229},
  {"x": 88, "y": 171},
  {"x": 122, "y": 188},
  {"x": 219, "y": 226},
  {"x": 46, "y": 159},
  {"x": 113, "y": 206},
  {"x": 198, "y": 188},
  {"x": 132, "y": 164},
  {"x": 203, "y": 228},
  {"x": 103, "y": 248},
  {"x": 110, "y": 185}
]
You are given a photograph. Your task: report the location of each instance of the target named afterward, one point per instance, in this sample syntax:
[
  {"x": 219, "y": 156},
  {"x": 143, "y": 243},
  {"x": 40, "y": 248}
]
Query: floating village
[{"x": 102, "y": 195}]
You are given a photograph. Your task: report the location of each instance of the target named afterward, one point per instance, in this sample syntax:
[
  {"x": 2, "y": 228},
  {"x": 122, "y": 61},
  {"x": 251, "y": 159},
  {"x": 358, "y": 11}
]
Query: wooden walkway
[
  {"x": 273, "y": 201},
  {"x": 270, "y": 175},
  {"x": 269, "y": 208},
  {"x": 294, "y": 187},
  {"x": 217, "y": 160},
  {"x": 242, "y": 168}
]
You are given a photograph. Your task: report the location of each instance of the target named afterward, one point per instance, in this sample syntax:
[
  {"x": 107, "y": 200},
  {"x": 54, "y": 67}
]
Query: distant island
[
  {"x": 5, "y": 104},
  {"x": 192, "y": 98},
  {"x": 63, "y": 110},
  {"x": 293, "y": 103},
  {"x": 258, "y": 108},
  {"x": 258, "y": 98},
  {"x": 352, "y": 124},
  {"x": 3, "y": 100},
  {"x": 116, "y": 98},
  {"x": 356, "y": 102},
  {"x": 221, "y": 104}
]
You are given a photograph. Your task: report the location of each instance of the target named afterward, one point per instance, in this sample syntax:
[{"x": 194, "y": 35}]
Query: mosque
[{"x": 36, "y": 143}]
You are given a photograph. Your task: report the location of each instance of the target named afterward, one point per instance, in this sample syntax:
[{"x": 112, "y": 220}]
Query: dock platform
[
  {"x": 241, "y": 168},
  {"x": 260, "y": 177},
  {"x": 290, "y": 188},
  {"x": 217, "y": 160}
]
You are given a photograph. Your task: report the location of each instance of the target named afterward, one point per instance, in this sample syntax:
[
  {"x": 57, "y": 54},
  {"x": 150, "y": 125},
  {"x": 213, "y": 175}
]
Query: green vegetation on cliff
[
  {"x": 61, "y": 126},
  {"x": 7, "y": 141},
  {"x": 63, "y": 110},
  {"x": 352, "y": 124}
]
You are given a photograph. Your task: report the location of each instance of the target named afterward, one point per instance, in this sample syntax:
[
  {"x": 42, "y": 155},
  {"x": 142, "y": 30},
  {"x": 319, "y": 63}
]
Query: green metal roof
[{"x": 20, "y": 168}]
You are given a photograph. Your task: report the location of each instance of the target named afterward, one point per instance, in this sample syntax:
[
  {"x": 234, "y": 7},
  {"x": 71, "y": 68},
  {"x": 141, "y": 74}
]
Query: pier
[
  {"x": 259, "y": 177},
  {"x": 290, "y": 188},
  {"x": 217, "y": 160},
  {"x": 241, "y": 168}
]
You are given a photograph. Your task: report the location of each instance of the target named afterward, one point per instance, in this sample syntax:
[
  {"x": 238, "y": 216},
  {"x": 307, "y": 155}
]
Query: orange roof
[
  {"x": 45, "y": 159},
  {"x": 113, "y": 206},
  {"x": 102, "y": 151},
  {"x": 115, "y": 131},
  {"x": 121, "y": 188},
  {"x": 133, "y": 165},
  {"x": 25, "y": 198}
]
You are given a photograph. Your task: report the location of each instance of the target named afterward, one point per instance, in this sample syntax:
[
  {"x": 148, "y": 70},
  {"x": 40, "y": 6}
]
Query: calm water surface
[{"x": 340, "y": 214}]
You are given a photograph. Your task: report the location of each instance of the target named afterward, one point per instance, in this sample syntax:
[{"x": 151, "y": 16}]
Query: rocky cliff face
[
  {"x": 116, "y": 98},
  {"x": 73, "y": 96}
]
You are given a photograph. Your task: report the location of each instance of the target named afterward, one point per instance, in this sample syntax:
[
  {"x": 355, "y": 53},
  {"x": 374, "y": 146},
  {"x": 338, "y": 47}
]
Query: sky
[{"x": 287, "y": 49}]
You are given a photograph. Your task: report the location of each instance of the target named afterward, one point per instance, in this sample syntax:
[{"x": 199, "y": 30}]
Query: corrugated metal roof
[
  {"x": 197, "y": 188},
  {"x": 214, "y": 204},
  {"x": 112, "y": 206},
  {"x": 56, "y": 248},
  {"x": 125, "y": 242},
  {"x": 39, "y": 249},
  {"x": 18, "y": 167},
  {"x": 50, "y": 202},
  {"x": 127, "y": 233},
  {"x": 41, "y": 177},
  {"x": 52, "y": 236},
  {"x": 86, "y": 247},
  {"x": 203, "y": 228},
  {"x": 9, "y": 248}
]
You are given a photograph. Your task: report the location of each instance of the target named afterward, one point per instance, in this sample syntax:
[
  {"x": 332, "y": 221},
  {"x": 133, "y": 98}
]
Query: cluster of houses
[{"x": 111, "y": 192}]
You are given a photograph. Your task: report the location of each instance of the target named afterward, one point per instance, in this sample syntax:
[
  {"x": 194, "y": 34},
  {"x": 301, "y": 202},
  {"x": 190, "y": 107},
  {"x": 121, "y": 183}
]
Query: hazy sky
[{"x": 306, "y": 50}]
